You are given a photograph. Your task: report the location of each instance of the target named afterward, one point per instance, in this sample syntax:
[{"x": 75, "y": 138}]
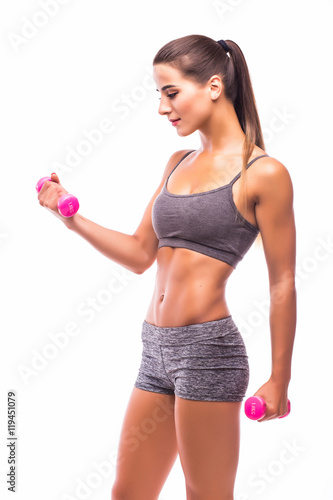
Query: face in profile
[{"x": 186, "y": 104}]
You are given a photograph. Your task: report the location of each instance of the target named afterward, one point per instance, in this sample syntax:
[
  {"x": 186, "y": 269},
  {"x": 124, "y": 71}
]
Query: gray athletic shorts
[{"x": 202, "y": 361}]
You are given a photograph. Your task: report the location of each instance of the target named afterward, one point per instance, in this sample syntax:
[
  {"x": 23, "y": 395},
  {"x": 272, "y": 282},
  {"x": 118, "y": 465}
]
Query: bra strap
[
  {"x": 247, "y": 166},
  {"x": 183, "y": 158},
  {"x": 254, "y": 159}
]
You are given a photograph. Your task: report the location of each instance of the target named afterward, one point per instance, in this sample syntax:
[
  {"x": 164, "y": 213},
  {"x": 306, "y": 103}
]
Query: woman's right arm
[{"x": 136, "y": 252}]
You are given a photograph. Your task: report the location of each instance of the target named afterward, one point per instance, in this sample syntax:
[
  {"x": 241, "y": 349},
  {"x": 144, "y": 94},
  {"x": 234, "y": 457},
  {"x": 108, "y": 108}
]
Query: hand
[
  {"x": 275, "y": 395},
  {"x": 49, "y": 195}
]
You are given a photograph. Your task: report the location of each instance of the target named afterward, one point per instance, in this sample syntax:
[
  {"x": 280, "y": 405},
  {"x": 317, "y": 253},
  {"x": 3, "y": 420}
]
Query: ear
[{"x": 215, "y": 87}]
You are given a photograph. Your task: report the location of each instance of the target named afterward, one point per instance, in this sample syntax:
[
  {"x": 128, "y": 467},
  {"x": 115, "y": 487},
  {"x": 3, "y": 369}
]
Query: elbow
[
  {"x": 134, "y": 270},
  {"x": 140, "y": 267},
  {"x": 146, "y": 265},
  {"x": 139, "y": 271},
  {"x": 283, "y": 291},
  {"x": 144, "y": 258}
]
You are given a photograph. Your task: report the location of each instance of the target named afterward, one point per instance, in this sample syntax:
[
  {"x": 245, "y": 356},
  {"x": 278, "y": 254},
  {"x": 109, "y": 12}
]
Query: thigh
[
  {"x": 147, "y": 446},
  {"x": 208, "y": 438},
  {"x": 212, "y": 369}
]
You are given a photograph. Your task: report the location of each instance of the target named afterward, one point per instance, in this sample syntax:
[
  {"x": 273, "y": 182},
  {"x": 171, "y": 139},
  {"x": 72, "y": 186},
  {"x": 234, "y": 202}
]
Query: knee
[
  {"x": 204, "y": 494},
  {"x": 119, "y": 492}
]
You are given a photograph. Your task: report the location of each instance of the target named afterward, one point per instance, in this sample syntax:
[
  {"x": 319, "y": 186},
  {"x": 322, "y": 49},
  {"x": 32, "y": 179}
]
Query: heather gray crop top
[{"x": 207, "y": 222}]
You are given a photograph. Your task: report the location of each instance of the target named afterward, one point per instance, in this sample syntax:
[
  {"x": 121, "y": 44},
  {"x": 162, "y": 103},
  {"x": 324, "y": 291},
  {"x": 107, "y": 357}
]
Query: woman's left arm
[{"x": 275, "y": 217}]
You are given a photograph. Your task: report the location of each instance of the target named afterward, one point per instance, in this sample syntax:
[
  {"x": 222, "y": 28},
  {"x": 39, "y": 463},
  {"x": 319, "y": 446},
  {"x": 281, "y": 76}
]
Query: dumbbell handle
[
  {"x": 255, "y": 408},
  {"x": 68, "y": 204}
]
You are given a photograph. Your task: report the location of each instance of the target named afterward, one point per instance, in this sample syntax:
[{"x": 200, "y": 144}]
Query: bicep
[
  {"x": 145, "y": 233},
  {"x": 276, "y": 222}
]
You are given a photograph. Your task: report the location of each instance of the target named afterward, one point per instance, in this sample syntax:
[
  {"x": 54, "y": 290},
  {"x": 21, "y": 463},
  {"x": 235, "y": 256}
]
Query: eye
[{"x": 171, "y": 96}]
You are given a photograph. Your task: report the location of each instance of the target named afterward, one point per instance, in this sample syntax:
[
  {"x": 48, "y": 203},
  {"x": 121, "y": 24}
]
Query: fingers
[
  {"x": 267, "y": 417},
  {"x": 55, "y": 178},
  {"x": 50, "y": 193},
  {"x": 272, "y": 413}
]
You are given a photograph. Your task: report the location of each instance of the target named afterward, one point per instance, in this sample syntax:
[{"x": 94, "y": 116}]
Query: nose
[{"x": 164, "y": 107}]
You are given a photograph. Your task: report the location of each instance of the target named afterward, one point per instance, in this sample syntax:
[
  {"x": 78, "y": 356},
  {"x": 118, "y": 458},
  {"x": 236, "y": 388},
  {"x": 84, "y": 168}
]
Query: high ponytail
[
  {"x": 198, "y": 58},
  {"x": 242, "y": 97}
]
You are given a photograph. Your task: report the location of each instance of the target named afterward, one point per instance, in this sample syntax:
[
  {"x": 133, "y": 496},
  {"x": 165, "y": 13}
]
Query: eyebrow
[{"x": 166, "y": 87}]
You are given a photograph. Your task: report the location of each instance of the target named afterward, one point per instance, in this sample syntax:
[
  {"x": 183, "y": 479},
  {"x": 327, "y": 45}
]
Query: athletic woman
[{"x": 210, "y": 206}]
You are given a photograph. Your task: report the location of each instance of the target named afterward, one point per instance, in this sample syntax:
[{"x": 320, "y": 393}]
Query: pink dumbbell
[
  {"x": 68, "y": 204},
  {"x": 255, "y": 408}
]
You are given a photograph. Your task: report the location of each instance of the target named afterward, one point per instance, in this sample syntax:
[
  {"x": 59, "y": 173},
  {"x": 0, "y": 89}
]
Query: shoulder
[
  {"x": 271, "y": 178},
  {"x": 174, "y": 159}
]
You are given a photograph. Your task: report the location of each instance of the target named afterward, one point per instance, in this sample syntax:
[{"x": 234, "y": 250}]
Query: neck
[{"x": 222, "y": 134}]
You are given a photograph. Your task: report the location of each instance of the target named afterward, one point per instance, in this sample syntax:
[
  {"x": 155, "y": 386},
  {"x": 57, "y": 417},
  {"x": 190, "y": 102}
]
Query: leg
[
  {"x": 208, "y": 436},
  {"x": 211, "y": 377},
  {"x": 147, "y": 447}
]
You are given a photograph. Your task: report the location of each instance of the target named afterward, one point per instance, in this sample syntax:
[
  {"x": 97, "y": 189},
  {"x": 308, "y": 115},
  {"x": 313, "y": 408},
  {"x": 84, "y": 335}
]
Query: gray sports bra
[{"x": 207, "y": 222}]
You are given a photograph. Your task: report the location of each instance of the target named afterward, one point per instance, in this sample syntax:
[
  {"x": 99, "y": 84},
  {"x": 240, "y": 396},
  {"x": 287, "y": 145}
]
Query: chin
[{"x": 185, "y": 133}]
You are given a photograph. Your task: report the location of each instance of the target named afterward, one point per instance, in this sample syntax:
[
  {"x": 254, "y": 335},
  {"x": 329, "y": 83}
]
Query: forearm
[
  {"x": 283, "y": 329},
  {"x": 119, "y": 247}
]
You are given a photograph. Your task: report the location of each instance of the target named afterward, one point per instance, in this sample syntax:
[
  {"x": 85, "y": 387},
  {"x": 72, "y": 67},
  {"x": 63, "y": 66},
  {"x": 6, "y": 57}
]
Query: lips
[{"x": 175, "y": 122}]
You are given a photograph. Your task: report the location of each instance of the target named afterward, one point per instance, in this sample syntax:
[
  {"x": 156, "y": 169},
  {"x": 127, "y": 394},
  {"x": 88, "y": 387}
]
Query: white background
[{"x": 91, "y": 61}]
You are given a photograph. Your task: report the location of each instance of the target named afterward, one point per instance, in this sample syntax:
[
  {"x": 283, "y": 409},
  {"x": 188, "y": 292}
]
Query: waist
[
  {"x": 188, "y": 334},
  {"x": 189, "y": 288},
  {"x": 178, "y": 264},
  {"x": 229, "y": 257}
]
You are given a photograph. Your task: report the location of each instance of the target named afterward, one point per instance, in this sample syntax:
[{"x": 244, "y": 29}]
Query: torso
[{"x": 190, "y": 286}]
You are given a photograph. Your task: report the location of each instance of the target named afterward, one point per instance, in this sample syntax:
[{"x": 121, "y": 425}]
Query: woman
[{"x": 207, "y": 211}]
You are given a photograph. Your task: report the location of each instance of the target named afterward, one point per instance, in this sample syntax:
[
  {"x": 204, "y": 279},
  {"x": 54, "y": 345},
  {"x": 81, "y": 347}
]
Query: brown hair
[{"x": 198, "y": 58}]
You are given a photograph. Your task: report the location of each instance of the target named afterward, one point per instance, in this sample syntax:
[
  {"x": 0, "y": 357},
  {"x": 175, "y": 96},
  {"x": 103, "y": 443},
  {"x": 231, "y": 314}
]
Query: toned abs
[{"x": 190, "y": 286}]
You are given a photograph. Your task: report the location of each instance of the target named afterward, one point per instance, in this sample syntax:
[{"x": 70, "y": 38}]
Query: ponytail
[{"x": 242, "y": 97}]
